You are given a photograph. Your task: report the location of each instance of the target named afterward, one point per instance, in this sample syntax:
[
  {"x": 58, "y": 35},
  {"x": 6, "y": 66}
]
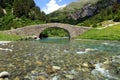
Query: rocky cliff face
[{"x": 90, "y": 9}]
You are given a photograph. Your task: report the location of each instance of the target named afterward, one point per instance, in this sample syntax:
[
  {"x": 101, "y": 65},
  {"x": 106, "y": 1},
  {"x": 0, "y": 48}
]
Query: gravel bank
[{"x": 3, "y": 42}]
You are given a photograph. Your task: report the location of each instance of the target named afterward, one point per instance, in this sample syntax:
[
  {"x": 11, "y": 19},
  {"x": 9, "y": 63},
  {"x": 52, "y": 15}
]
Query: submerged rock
[
  {"x": 85, "y": 65},
  {"x": 71, "y": 77},
  {"x": 17, "y": 78},
  {"x": 41, "y": 78},
  {"x": 52, "y": 69}
]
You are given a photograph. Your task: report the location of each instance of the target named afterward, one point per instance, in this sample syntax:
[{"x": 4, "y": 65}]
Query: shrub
[{"x": 94, "y": 25}]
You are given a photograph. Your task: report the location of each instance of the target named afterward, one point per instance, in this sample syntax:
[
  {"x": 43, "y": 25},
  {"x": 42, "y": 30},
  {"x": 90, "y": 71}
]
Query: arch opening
[{"x": 54, "y": 32}]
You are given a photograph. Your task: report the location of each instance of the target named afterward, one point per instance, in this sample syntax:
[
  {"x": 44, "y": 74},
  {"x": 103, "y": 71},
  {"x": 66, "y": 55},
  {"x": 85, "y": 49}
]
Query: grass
[
  {"x": 109, "y": 33},
  {"x": 9, "y": 37}
]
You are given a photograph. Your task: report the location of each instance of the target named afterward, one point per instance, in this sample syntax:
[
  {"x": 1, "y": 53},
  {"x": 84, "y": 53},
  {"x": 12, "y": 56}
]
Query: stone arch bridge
[{"x": 36, "y": 30}]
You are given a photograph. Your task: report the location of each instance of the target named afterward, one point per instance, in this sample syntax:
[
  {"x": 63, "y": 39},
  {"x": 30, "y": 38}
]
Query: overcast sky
[{"x": 49, "y": 6}]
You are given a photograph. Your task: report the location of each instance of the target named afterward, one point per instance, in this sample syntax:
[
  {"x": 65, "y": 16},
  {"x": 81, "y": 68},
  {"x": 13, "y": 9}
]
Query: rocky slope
[
  {"x": 81, "y": 10},
  {"x": 77, "y": 5},
  {"x": 89, "y": 9}
]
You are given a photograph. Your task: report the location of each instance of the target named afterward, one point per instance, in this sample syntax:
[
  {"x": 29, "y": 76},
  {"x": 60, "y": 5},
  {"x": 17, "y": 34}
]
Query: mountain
[
  {"x": 61, "y": 14},
  {"x": 77, "y": 5},
  {"x": 89, "y": 9},
  {"x": 86, "y": 10}
]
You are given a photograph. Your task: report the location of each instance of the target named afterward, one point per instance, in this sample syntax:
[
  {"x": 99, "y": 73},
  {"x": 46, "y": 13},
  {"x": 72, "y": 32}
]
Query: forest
[{"x": 19, "y": 13}]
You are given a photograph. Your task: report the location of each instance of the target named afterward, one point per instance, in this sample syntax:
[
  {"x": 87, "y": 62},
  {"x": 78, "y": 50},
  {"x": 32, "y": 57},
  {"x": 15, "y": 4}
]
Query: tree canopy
[{"x": 18, "y": 13}]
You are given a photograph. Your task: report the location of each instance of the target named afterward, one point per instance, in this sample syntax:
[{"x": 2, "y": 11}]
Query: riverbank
[
  {"x": 109, "y": 33},
  {"x": 5, "y": 42},
  {"x": 9, "y": 37}
]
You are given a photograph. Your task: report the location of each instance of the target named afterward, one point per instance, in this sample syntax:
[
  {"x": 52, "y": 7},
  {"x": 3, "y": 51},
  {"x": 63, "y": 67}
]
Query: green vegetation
[
  {"x": 9, "y": 37},
  {"x": 109, "y": 13},
  {"x": 9, "y": 21},
  {"x": 19, "y": 13},
  {"x": 109, "y": 33},
  {"x": 55, "y": 32}
]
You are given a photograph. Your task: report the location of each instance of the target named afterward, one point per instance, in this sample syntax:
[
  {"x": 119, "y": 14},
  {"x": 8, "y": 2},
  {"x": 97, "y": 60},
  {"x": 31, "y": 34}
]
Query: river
[{"x": 61, "y": 59}]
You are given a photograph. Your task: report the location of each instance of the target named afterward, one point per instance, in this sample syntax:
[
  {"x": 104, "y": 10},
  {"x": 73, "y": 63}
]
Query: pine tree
[
  {"x": 1, "y": 12},
  {"x": 18, "y": 10},
  {"x": 22, "y": 7},
  {"x": 6, "y": 3}
]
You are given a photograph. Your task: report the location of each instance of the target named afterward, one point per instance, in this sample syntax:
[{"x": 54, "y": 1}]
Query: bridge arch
[
  {"x": 37, "y": 29},
  {"x": 42, "y": 35}
]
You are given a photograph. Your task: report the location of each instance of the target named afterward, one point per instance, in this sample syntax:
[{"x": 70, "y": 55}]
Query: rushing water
[{"x": 61, "y": 59}]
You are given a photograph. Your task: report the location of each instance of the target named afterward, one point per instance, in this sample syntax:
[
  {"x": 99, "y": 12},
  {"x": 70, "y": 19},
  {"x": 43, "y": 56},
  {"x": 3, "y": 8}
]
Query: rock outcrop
[{"x": 90, "y": 9}]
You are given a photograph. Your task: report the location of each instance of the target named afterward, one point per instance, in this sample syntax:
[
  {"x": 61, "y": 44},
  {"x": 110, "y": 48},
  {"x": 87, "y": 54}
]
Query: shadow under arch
[{"x": 42, "y": 35}]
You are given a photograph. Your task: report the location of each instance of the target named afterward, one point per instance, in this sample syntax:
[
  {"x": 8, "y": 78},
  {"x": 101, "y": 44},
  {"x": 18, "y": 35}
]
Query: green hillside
[{"x": 108, "y": 33}]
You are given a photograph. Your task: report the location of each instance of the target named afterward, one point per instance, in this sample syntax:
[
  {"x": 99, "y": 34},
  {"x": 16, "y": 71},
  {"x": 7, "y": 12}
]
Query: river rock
[
  {"x": 39, "y": 63},
  {"x": 69, "y": 76},
  {"x": 4, "y": 79},
  {"x": 92, "y": 66},
  {"x": 17, "y": 78},
  {"x": 85, "y": 65},
  {"x": 56, "y": 68},
  {"x": 85, "y": 69},
  {"x": 55, "y": 78},
  {"x": 107, "y": 62},
  {"x": 41, "y": 78},
  {"x": 52, "y": 69},
  {"x": 4, "y": 74}
]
